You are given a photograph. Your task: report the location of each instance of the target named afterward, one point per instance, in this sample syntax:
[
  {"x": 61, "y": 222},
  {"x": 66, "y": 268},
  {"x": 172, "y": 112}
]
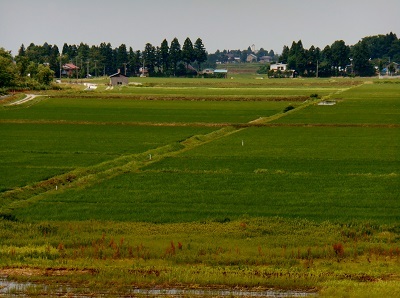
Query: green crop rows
[{"x": 314, "y": 172}]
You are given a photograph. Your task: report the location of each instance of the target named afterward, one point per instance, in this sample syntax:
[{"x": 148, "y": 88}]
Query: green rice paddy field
[{"x": 143, "y": 184}]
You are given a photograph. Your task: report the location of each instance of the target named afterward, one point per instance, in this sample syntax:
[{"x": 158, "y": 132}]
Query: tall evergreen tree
[
  {"x": 65, "y": 49},
  {"x": 188, "y": 52},
  {"x": 83, "y": 51},
  {"x": 175, "y": 54},
  {"x": 21, "y": 51},
  {"x": 164, "y": 52},
  {"x": 131, "y": 62},
  {"x": 300, "y": 58},
  {"x": 149, "y": 56},
  {"x": 158, "y": 60},
  {"x": 107, "y": 53},
  {"x": 22, "y": 61},
  {"x": 311, "y": 61},
  {"x": 97, "y": 65},
  {"x": 138, "y": 60},
  {"x": 200, "y": 53},
  {"x": 122, "y": 57},
  {"x": 54, "y": 60},
  {"x": 83, "y": 55},
  {"x": 284, "y": 57}
]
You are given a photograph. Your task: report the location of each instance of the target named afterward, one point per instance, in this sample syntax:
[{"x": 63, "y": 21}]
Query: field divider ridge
[
  {"x": 264, "y": 120},
  {"x": 84, "y": 177}
]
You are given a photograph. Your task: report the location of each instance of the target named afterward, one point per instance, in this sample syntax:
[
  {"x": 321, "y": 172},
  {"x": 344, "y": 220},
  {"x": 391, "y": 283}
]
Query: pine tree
[
  {"x": 175, "y": 54},
  {"x": 187, "y": 52},
  {"x": 200, "y": 53},
  {"x": 164, "y": 52},
  {"x": 122, "y": 57},
  {"x": 284, "y": 57},
  {"x": 149, "y": 56}
]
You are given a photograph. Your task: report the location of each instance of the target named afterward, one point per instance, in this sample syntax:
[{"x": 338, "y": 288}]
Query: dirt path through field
[{"x": 24, "y": 100}]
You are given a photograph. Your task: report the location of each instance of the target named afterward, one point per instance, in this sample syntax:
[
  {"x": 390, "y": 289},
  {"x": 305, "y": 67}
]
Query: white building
[{"x": 278, "y": 66}]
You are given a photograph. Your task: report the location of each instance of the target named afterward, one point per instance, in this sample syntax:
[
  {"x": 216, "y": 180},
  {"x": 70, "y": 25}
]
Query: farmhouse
[
  {"x": 118, "y": 79},
  {"x": 265, "y": 59},
  {"x": 215, "y": 72},
  {"x": 251, "y": 58},
  {"x": 208, "y": 71},
  {"x": 278, "y": 66},
  {"x": 69, "y": 69}
]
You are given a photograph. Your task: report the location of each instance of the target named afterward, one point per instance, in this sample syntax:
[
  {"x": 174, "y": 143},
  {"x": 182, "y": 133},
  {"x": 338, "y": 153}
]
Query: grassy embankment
[{"x": 211, "y": 201}]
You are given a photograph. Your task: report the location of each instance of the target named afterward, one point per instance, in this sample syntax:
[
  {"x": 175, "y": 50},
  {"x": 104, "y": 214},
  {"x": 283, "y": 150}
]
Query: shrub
[{"x": 288, "y": 108}]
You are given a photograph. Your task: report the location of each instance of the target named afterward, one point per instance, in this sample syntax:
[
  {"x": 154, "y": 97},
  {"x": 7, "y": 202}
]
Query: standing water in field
[
  {"x": 220, "y": 293},
  {"x": 19, "y": 289}
]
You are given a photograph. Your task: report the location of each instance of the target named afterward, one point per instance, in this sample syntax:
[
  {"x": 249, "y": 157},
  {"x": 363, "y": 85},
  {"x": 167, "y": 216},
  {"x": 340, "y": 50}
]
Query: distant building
[
  {"x": 69, "y": 69},
  {"x": 215, "y": 72},
  {"x": 265, "y": 59},
  {"x": 251, "y": 58},
  {"x": 118, "y": 79},
  {"x": 278, "y": 66},
  {"x": 207, "y": 71},
  {"x": 144, "y": 72},
  {"x": 221, "y": 72}
]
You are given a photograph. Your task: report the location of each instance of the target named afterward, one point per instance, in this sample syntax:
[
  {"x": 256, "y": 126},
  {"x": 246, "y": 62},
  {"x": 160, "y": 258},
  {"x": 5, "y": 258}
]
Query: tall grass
[{"x": 252, "y": 253}]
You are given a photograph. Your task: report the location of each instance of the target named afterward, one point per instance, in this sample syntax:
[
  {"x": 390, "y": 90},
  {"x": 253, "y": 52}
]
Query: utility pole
[
  {"x": 317, "y": 68},
  {"x": 125, "y": 67},
  {"x": 60, "y": 65},
  {"x": 95, "y": 68}
]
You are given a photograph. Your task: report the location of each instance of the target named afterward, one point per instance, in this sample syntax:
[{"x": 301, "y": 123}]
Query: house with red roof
[{"x": 69, "y": 69}]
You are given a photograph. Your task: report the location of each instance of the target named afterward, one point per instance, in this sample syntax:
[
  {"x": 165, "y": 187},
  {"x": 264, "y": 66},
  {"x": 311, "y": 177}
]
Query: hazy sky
[{"x": 221, "y": 24}]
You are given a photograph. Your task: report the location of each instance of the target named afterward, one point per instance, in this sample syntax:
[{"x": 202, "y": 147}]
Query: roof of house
[
  {"x": 70, "y": 66},
  {"x": 221, "y": 71},
  {"x": 118, "y": 74}
]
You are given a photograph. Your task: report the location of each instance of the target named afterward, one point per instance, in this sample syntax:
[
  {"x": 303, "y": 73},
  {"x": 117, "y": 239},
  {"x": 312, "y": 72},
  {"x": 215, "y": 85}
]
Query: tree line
[
  {"x": 22, "y": 73},
  {"x": 164, "y": 60},
  {"x": 338, "y": 59},
  {"x": 36, "y": 66},
  {"x": 33, "y": 66}
]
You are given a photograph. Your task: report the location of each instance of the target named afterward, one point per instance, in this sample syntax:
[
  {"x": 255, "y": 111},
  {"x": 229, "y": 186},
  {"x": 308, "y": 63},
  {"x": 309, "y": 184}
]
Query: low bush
[{"x": 288, "y": 108}]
